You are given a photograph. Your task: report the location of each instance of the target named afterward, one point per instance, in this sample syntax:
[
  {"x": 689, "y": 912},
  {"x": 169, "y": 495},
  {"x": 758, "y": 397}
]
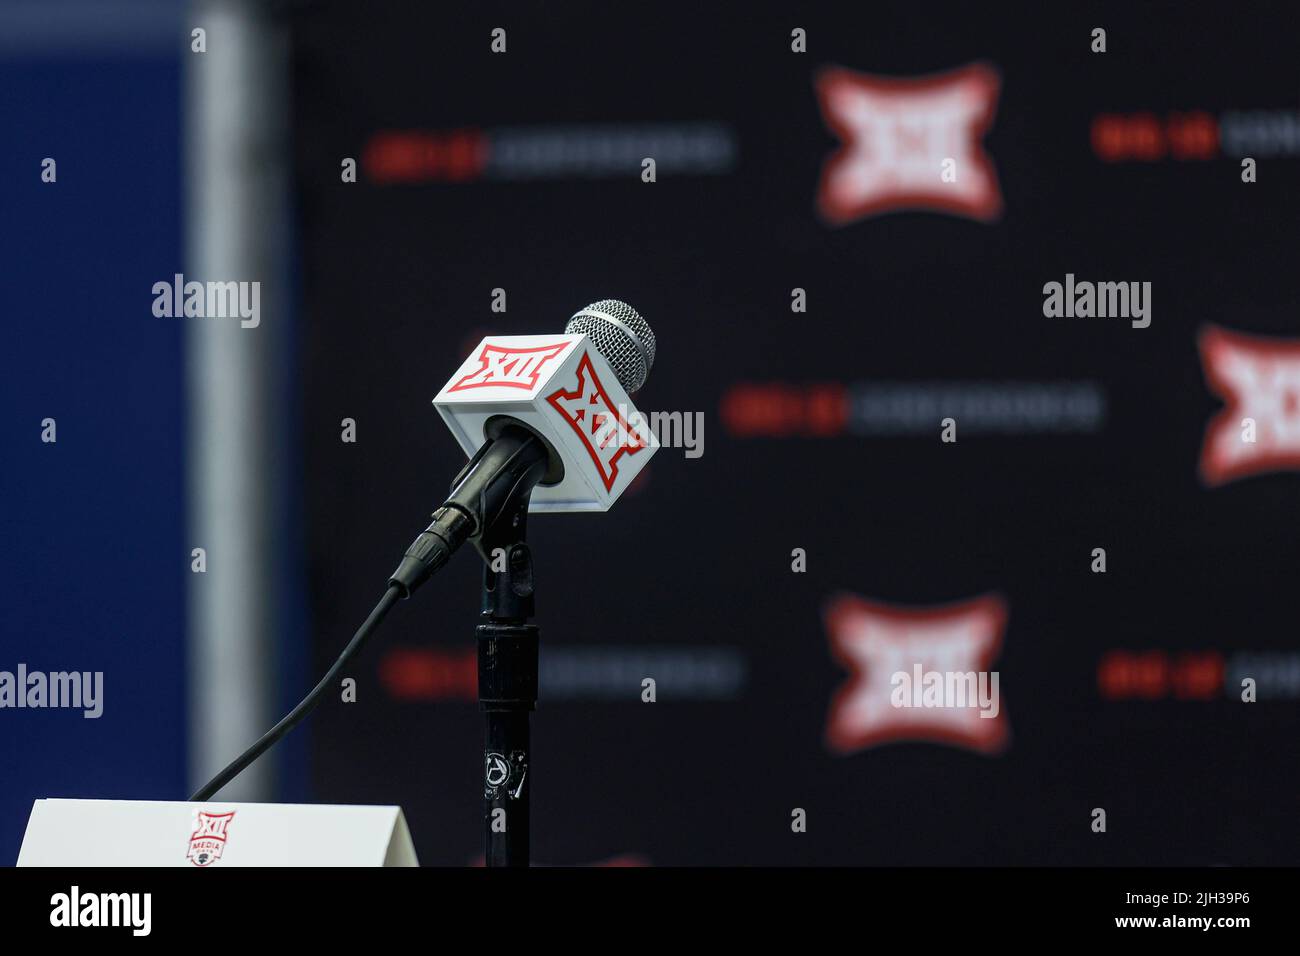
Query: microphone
[
  {"x": 618, "y": 332},
  {"x": 546, "y": 418}
]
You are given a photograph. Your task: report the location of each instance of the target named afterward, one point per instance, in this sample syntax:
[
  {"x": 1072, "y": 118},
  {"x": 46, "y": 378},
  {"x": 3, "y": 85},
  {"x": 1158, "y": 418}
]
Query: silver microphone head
[{"x": 619, "y": 334}]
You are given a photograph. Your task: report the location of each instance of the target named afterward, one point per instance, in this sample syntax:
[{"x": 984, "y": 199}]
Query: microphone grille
[{"x": 620, "y": 335}]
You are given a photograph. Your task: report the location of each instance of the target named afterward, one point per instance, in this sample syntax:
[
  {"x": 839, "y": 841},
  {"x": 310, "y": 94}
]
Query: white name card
[{"x": 175, "y": 833}]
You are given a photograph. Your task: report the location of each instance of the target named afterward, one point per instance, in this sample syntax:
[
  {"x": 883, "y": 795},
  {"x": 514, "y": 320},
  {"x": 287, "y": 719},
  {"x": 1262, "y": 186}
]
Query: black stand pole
[{"x": 507, "y": 683}]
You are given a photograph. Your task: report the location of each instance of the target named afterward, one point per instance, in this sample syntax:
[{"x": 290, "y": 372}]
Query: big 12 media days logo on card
[
  {"x": 564, "y": 390},
  {"x": 208, "y": 841}
]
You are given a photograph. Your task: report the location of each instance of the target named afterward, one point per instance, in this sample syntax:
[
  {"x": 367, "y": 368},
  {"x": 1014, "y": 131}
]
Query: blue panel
[{"x": 94, "y": 554}]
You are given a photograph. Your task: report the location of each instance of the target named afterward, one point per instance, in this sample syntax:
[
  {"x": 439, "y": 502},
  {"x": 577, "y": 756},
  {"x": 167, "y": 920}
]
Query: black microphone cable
[
  {"x": 308, "y": 703},
  {"x": 427, "y": 553},
  {"x": 504, "y": 470}
]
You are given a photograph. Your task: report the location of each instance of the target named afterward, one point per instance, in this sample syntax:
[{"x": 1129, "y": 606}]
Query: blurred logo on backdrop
[
  {"x": 909, "y": 144},
  {"x": 1200, "y": 675},
  {"x": 530, "y": 153},
  {"x": 917, "y": 674},
  {"x": 883, "y": 408},
  {"x": 1259, "y": 430},
  {"x": 1146, "y": 136},
  {"x": 568, "y": 673}
]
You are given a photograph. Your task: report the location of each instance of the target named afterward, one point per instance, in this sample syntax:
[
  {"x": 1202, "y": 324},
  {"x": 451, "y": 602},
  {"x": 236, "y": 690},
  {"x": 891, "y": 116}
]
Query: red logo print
[
  {"x": 604, "y": 431},
  {"x": 209, "y": 837},
  {"x": 1259, "y": 431},
  {"x": 898, "y": 135},
  {"x": 509, "y": 367},
  {"x": 875, "y": 642}
]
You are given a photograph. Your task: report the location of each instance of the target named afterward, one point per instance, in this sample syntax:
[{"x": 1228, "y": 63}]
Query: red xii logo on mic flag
[
  {"x": 502, "y": 367},
  {"x": 604, "y": 432}
]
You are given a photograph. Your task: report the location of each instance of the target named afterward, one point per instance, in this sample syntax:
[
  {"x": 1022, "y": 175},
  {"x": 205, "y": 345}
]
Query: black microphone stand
[{"x": 507, "y": 681}]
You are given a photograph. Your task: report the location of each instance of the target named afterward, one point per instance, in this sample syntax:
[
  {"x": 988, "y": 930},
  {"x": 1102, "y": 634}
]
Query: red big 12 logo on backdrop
[
  {"x": 1259, "y": 431},
  {"x": 909, "y": 143},
  {"x": 917, "y": 674}
]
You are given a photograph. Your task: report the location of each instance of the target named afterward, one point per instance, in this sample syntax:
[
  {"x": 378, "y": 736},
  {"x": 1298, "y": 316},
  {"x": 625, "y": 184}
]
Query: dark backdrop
[{"x": 398, "y": 279}]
